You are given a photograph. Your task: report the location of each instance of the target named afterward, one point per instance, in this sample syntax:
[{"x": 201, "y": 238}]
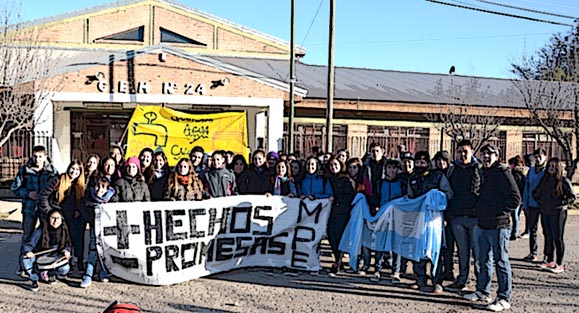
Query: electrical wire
[
  {"x": 526, "y": 9},
  {"x": 499, "y": 13},
  {"x": 312, "y": 23}
]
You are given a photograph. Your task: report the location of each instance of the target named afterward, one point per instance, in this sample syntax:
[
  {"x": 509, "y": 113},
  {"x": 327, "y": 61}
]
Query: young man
[
  {"x": 28, "y": 184},
  {"x": 530, "y": 204},
  {"x": 499, "y": 196},
  {"x": 196, "y": 156},
  {"x": 465, "y": 179},
  {"x": 419, "y": 183}
]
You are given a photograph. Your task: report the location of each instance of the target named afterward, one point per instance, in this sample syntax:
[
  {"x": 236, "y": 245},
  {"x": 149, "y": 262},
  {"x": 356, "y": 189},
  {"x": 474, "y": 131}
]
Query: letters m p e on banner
[{"x": 165, "y": 243}]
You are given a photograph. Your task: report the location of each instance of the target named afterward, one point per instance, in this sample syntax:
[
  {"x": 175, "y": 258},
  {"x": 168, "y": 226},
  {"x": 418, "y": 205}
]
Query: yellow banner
[{"x": 176, "y": 133}]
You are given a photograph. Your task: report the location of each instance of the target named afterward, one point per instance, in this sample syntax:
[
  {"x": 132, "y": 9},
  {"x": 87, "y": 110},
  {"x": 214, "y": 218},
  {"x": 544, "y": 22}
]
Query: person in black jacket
[
  {"x": 344, "y": 190},
  {"x": 465, "y": 178},
  {"x": 554, "y": 193},
  {"x": 219, "y": 181},
  {"x": 132, "y": 187},
  {"x": 499, "y": 196},
  {"x": 156, "y": 176},
  {"x": 517, "y": 167}
]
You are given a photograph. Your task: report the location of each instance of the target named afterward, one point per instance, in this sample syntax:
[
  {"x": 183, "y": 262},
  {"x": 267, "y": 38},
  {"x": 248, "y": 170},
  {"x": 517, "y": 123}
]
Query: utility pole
[
  {"x": 330, "y": 108},
  {"x": 292, "y": 82}
]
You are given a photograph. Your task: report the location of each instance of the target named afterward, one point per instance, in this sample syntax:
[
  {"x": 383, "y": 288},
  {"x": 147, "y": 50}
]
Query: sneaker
[
  {"x": 22, "y": 273},
  {"x": 499, "y": 305},
  {"x": 335, "y": 270},
  {"x": 558, "y": 269},
  {"x": 524, "y": 236},
  {"x": 104, "y": 277},
  {"x": 51, "y": 280},
  {"x": 456, "y": 287},
  {"x": 315, "y": 273},
  {"x": 513, "y": 238},
  {"x": 44, "y": 276},
  {"x": 376, "y": 277},
  {"x": 86, "y": 282},
  {"x": 437, "y": 289},
  {"x": 34, "y": 286},
  {"x": 548, "y": 265},
  {"x": 396, "y": 278},
  {"x": 477, "y": 297},
  {"x": 531, "y": 258},
  {"x": 362, "y": 271}
]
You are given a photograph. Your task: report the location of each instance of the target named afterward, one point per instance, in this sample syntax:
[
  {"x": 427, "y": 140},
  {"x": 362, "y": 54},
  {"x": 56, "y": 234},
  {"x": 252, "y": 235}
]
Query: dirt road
[{"x": 254, "y": 290}]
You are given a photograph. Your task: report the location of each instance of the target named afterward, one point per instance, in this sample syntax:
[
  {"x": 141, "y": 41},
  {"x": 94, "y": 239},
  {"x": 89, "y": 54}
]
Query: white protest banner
[{"x": 164, "y": 243}]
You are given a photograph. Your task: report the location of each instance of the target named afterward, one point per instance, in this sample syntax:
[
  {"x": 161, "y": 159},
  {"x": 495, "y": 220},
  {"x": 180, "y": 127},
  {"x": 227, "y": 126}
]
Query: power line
[
  {"x": 312, "y": 23},
  {"x": 499, "y": 13},
  {"x": 526, "y": 9},
  {"x": 550, "y": 4}
]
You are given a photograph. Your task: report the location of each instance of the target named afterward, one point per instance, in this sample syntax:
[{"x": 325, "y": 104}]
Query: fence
[{"x": 18, "y": 149}]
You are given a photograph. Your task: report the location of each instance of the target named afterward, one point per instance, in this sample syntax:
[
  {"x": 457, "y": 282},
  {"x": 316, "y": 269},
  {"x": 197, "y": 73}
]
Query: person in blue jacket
[
  {"x": 530, "y": 204},
  {"x": 52, "y": 235},
  {"x": 314, "y": 186}
]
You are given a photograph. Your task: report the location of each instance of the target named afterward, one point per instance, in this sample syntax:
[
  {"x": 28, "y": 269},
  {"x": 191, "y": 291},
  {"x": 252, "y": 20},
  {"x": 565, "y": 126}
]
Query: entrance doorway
[{"x": 94, "y": 132}]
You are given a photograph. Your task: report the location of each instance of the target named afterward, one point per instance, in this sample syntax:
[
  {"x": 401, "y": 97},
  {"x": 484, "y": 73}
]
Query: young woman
[
  {"x": 102, "y": 192},
  {"x": 517, "y": 167},
  {"x": 356, "y": 172},
  {"x": 91, "y": 169},
  {"x": 156, "y": 176},
  {"x": 282, "y": 181},
  {"x": 344, "y": 190},
  {"x": 108, "y": 169},
  {"x": 314, "y": 186},
  {"x": 296, "y": 170},
  {"x": 184, "y": 184},
  {"x": 52, "y": 235},
  {"x": 256, "y": 180},
  {"x": 132, "y": 187},
  {"x": 146, "y": 158},
  {"x": 554, "y": 193},
  {"x": 219, "y": 181},
  {"x": 65, "y": 192},
  {"x": 238, "y": 166}
]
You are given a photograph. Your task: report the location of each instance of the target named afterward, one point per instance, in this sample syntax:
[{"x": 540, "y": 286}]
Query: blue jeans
[
  {"x": 28, "y": 265},
  {"x": 28, "y": 225},
  {"x": 464, "y": 229},
  {"x": 494, "y": 246},
  {"x": 516, "y": 217},
  {"x": 92, "y": 257}
]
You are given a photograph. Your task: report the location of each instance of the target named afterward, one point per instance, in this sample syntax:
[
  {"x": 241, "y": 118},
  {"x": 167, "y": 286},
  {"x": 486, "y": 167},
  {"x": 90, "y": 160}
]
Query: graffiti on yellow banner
[{"x": 176, "y": 133}]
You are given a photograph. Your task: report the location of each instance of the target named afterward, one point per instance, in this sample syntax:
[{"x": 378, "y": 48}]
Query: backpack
[{"x": 117, "y": 307}]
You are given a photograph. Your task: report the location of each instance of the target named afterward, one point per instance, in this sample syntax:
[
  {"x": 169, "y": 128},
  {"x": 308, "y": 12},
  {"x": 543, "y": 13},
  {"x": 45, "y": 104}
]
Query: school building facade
[{"x": 116, "y": 56}]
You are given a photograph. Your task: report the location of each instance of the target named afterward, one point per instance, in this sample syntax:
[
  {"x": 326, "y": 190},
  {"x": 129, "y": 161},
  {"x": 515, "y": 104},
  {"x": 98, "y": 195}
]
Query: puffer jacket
[
  {"x": 220, "y": 183},
  {"x": 91, "y": 201},
  {"x": 465, "y": 182},
  {"x": 421, "y": 184},
  {"x": 132, "y": 189},
  {"x": 499, "y": 196},
  {"x": 28, "y": 180}
]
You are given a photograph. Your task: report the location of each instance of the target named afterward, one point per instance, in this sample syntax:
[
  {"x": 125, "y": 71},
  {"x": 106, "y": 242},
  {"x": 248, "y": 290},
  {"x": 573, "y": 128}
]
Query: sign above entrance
[
  {"x": 176, "y": 133},
  {"x": 166, "y": 88}
]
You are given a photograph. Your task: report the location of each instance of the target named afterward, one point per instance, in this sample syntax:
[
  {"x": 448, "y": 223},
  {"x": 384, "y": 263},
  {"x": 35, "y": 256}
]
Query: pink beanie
[{"x": 135, "y": 161}]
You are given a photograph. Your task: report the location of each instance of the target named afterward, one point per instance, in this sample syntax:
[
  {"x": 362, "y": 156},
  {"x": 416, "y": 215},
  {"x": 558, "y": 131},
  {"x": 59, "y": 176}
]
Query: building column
[
  {"x": 514, "y": 143},
  {"x": 275, "y": 126},
  {"x": 357, "y": 139}
]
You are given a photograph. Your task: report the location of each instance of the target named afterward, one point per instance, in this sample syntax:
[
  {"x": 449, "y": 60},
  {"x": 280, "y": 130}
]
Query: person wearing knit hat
[
  {"x": 272, "y": 158},
  {"x": 131, "y": 187}
]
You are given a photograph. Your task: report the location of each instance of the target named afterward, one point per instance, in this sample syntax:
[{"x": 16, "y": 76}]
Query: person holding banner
[
  {"x": 65, "y": 192},
  {"x": 53, "y": 237},
  {"x": 102, "y": 192},
  {"x": 219, "y": 181},
  {"x": 344, "y": 190},
  {"x": 184, "y": 184},
  {"x": 196, "y": 156},
  {"x": 419, "y": 183},
  {"x": 255, "y": 181},
  {"x": 314, "y": 186},
  {"x": 156, "y": 176},
  {"x": 282, "y": 182},
  {"x": 499, "y": 196},
  {"x": 131, "y": 187}
]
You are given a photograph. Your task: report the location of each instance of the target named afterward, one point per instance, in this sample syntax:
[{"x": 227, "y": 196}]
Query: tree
[
  {"x": 548, "y": 85},
  {"x": 25, "y": 84},
  {"x": 462, "y": 118}
]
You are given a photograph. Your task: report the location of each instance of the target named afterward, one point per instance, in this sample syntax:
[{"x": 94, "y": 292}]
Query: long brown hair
[
  {"x": 64, "y": 235},
  {"x": 193, "y": 182},
  {"x": 558, "y": 176},
  {"x": 65, "y": 183}
]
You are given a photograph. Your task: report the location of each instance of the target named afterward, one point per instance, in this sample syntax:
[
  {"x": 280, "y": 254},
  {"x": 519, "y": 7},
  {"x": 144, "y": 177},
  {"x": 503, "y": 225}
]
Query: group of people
[{"x": 483, "y": 195}]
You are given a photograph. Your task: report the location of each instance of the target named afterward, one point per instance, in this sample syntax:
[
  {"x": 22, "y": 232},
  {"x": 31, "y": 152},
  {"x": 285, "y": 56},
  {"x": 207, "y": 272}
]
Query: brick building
[{"x": 159, "y": 52}]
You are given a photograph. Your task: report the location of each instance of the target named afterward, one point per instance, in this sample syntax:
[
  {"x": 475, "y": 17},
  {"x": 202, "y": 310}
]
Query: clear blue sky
[{"x": 409, "y": 35}]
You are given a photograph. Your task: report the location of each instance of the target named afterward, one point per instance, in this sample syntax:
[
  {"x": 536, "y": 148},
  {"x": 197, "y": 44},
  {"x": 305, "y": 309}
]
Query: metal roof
[{"x": 382, "y": 85}]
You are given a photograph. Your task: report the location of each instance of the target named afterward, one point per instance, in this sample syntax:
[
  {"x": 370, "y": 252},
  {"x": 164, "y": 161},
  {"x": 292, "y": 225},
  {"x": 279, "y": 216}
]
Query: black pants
[
  {"x": 554, "y": 230},
  {"x": 448, "y": 251},
  {"x": 534, "y": 216},
  {"x": 336, "y": 226}
]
